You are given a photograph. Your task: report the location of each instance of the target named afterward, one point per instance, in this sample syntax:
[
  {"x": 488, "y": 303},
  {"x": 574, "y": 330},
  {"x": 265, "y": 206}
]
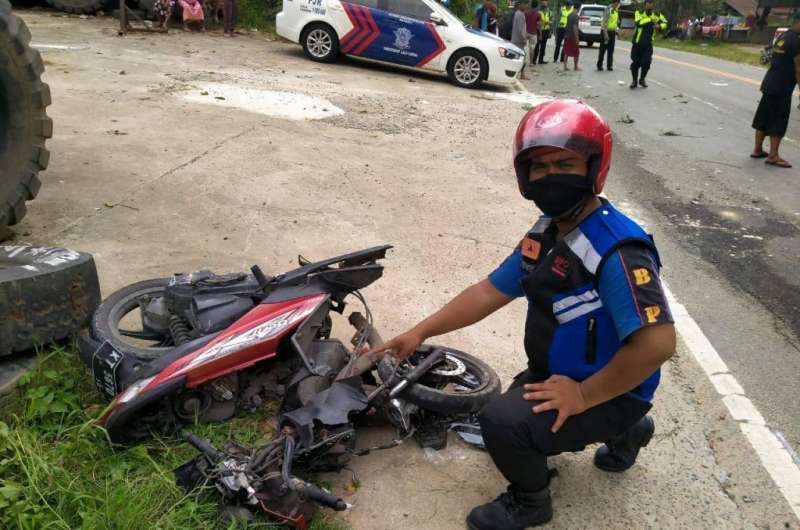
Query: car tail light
[{"x": 584, "y": 19}]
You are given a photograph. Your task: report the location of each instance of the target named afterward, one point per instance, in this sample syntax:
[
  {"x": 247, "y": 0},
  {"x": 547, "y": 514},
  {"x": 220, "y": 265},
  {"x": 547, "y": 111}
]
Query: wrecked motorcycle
[
  {"x": 319, "y": 436},
  {"x": 202, "y": 347}
]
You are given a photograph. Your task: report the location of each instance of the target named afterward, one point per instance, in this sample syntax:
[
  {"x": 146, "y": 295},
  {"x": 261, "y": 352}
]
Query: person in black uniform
[
  {"x": 561, "y": 30},
  {"x": 772, "y": 115},
  {"x": 598, "y": 325},
  {"x": 647, "y": 23}
]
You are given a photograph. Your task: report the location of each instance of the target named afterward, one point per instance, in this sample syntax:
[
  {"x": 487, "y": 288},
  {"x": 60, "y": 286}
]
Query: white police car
[{"x": 411, "y": 33}]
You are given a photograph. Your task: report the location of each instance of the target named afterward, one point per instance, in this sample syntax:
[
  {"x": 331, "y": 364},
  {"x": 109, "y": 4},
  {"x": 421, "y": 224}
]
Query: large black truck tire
[
  {"x": 24, "y": 125},
  {"x": 46, "y": 294},
  {"x": 78, "y": 7}
]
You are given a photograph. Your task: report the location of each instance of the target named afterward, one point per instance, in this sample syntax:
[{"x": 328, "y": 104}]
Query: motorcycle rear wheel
[
  {"x": 112, "y": 310},
  {"x": 465, "y": 393}
]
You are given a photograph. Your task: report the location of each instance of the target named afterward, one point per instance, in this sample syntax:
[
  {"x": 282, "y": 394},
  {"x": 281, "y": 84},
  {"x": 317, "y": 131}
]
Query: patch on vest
[
  {"x": 531, "y": 248},
  {"x": 560, "y": 266}
]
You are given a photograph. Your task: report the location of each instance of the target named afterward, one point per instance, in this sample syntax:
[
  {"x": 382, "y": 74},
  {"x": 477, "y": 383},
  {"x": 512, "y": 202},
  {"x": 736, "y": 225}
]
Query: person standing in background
[
  {"x": 610, "y": 28},
  {"x": 230, "y": 11},
  {"x": 772, "y": 115},
  {"x": 519, "y": 31},
  {"x": 532, "y": 21},
  {"x": 544, "y": 32},
  {"x": 486, "y": 17},
  {"x": 647, "y": 22},
  {"x": 561, "y": 31},
  {"x": 572, "y": 39}
]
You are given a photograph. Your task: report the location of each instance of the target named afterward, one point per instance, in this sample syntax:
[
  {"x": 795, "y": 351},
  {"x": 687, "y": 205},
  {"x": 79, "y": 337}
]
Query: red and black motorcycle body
[{"x": 283, "y": 320}]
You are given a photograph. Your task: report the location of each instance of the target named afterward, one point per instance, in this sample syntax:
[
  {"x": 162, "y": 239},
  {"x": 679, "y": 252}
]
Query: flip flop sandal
[
  {"x": 782, "y": 163},
  {"x": 762, "y": 154}
]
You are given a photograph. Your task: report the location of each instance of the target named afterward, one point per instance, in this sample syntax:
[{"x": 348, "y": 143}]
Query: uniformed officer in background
[
  {"x": 561, "y": 31},
  {"x": 598, "y": 324},
  {"x": 646, "y": 24},
  {"x": 610, "y": 28},
  {"x": 544, "y": 32}
]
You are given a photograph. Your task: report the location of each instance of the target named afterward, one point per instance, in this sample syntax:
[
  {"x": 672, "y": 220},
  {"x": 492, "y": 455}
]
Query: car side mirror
[{"x": 437, "y": 19}]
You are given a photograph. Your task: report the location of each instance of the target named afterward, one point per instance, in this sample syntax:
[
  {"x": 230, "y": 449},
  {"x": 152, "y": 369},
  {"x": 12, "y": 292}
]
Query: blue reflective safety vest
[{"x": 568, "y": 331}]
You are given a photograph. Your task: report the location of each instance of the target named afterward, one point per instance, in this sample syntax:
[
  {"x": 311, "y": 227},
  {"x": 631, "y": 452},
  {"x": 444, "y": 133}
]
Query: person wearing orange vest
[{"x": 610, "y": 28}]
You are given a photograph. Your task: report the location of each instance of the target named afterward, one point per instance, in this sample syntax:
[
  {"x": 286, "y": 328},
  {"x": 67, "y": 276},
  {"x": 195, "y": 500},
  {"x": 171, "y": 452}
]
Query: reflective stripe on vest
[
  {"x": 641, "y": 19},
  {"x": 565, "y": 12},
  {"x": 545, "y": 20},
  {"x": 613, "y": 19}
]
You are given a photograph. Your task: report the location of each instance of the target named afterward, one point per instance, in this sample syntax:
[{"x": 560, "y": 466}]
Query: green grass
[
  {"x": 58, "y": 471},
  {"x": 259, "y": 14},
  {"x": 721, "y": 50}
]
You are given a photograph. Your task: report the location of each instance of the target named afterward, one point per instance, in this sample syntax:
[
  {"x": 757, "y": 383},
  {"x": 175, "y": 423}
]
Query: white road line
[{"x": 775, "y": 456}]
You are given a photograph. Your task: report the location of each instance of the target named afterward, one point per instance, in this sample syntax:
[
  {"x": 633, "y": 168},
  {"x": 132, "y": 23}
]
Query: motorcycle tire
[
  {"x": 45, "y": 294},
  {"x": 106, "y": 319},
  {"x": 436, "y": 400}
]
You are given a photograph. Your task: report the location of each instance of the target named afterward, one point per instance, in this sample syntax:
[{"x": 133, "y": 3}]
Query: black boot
[
  {"x": 513, "y": 510},
  {"x": 620, "y": 453},
  {"x": 642, "y": 76},
  {"x": 635, "y": 76}
]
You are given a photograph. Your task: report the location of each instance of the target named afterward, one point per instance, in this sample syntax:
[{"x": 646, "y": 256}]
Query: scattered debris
[
  {"x": 676, "y": 133},
  {"x": 116, "y": 132},
  {"x": 626, "y": 119}
]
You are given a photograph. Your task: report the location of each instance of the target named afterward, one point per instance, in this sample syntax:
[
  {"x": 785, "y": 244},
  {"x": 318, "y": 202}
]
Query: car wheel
[
  {"x": 320, "y": 43},
  {"x": 467, "y": 69}
]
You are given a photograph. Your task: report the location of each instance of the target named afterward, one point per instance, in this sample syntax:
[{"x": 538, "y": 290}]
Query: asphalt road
[{"x": 727, "y": 225}]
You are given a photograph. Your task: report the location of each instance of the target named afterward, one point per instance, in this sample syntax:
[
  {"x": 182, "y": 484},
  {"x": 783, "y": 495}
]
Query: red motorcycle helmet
[{"x": 564, "y": 124}]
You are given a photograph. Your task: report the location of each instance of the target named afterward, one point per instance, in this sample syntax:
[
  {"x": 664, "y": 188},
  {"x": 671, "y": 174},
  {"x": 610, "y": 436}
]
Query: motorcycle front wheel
[{"x": 459, "y": 384}]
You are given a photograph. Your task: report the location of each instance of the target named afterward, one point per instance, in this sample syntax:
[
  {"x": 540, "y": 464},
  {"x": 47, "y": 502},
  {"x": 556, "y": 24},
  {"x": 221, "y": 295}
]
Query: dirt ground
[{"x": 154, "y": 173}]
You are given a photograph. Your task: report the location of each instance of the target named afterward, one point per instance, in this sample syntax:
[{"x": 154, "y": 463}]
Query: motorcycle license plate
[{"x": 105, "y": 362}]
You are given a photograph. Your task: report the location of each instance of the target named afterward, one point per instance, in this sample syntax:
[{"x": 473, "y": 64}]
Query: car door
[{"x": 394, "y": 31}]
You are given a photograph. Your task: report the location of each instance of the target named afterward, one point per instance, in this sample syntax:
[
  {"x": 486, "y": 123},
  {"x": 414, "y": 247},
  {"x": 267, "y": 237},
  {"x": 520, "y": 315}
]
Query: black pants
[
  {"x": 230, "y": 10},
  {"x": 541, "y": 44},
  {"x": 520, "y": 441},
  {"x": 641, "y": 57},
  {"x": 560, "y": 34},
  {"x": 607, "y": 48}
]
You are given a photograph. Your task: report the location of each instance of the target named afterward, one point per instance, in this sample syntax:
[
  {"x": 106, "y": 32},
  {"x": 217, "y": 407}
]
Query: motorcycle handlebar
[
  {"x": 204, "y": 446},
  {"x": 417, "y": 372},
  {"x": 320, "y": 496}
]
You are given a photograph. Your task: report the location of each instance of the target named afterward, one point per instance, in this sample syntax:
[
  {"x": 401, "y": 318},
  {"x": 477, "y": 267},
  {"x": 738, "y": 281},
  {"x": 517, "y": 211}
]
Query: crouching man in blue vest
[{"x": 598, "y": 325}]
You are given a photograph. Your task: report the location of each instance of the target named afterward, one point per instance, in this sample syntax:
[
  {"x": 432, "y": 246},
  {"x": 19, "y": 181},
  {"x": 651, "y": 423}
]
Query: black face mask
[{"x": 559, "y": 195}]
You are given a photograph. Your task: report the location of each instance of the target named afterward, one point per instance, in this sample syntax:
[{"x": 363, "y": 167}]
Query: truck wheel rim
[
  {"x": 319, "y": 43},
  {"x": 467, "y": 69}
]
